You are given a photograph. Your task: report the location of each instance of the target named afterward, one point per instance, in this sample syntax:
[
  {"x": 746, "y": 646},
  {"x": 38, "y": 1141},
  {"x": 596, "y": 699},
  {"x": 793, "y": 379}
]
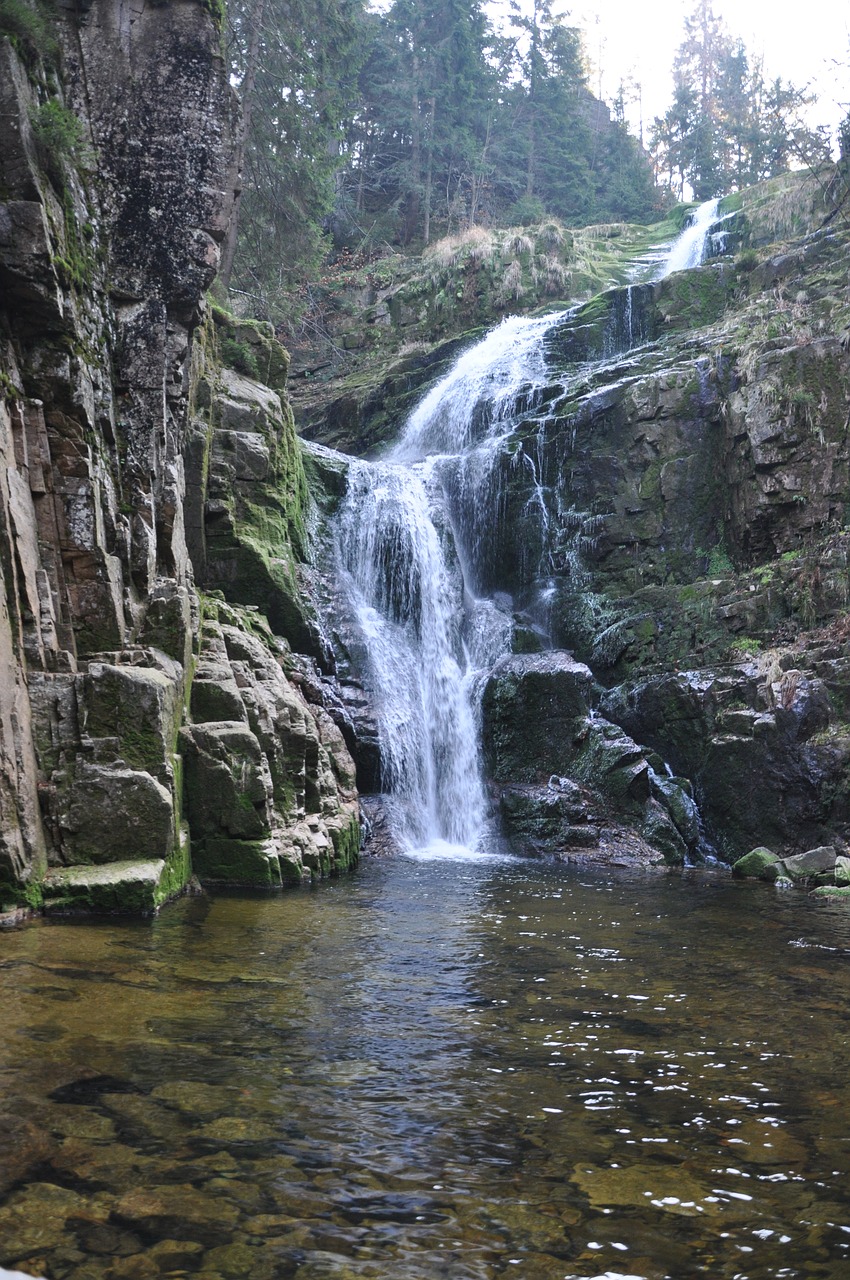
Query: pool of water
[{"x": 437, "y": 1068}]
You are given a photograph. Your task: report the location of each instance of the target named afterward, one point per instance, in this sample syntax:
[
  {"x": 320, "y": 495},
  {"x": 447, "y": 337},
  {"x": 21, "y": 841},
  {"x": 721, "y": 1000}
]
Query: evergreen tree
[
  {"x": 294, "y": 63},
  {"x": 727, "y": 127},
  {"x": 360, "y": 126}
]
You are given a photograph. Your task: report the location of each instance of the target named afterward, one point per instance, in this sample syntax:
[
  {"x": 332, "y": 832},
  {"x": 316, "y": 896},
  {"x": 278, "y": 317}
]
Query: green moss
[
  {"x": 346, "y": 843},
  {"x": 248, "y": 346},
  {"x": 117, "y": 888},
  {"x": 760, "y": 863},
  {"x": 691, "y": 299},
  {"x": 235, "y": 862},
  {"x": 216, "y": 9},
  {"x": 650, "y": 481},
  {"x": 20, "y": 893},
  {"x": 29, "y": 28},
  {"x": 731, "y": 204},
  {"x": 8, "y": 389},
  {"x": 239, "y": 356}
]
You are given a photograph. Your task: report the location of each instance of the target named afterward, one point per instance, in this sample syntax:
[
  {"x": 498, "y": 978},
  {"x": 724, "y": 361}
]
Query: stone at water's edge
[
  {"x": 814, "y": 865},
  {"x": 531, "y": 707},
  {"x": 761, "y": 863},
  {"x": 562, "y": 773},
  {"x": 744, "y": 740},
  {"x": 842, "y": 871},
  {"x": 136, "y": 888}
]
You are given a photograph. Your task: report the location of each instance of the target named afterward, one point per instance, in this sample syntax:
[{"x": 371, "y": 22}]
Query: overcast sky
[{"x": 801, "y": 44}]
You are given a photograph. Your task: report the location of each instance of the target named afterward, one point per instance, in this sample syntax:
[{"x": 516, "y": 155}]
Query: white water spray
[
  {"x": 691, "y": 247},
  {"x": 411, "y": 540}
]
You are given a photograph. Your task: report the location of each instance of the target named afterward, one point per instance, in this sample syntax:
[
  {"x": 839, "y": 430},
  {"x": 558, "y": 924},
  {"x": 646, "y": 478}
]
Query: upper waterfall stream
[{"x": 691, "y": 247}]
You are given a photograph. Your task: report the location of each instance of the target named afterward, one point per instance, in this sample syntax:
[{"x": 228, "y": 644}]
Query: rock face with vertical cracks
[
  {"x": 562, "y": 774},
  {"x": 125, "y": 452}
]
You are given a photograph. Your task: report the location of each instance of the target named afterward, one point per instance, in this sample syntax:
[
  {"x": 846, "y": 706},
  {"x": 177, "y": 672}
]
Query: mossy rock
[
  {"x": 237, "y": 862},
  {"x": 760, "y": 863},
  {"x": 347, "y": 841},
  {"x": 811, "y": 865},
  {"x": 116, "y": 888},
  {"x": 842, "y": 871}
]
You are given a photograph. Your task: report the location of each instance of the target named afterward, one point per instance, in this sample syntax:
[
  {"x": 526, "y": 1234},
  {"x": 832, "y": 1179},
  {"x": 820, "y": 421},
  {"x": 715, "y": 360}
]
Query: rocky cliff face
[
  {"x": 135, "y": 470},
  {"x": 690, "y": 457}
]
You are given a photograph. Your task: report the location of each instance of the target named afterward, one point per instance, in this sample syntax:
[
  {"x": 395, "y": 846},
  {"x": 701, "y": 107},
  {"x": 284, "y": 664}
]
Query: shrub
[
  {"x": 28, "y": 27},
  {"x": 747, "y": 261},
  {"x": 526, "y": 212},
  {"x": 719, "y": 564},
  {"x": 60, "y": 136}
]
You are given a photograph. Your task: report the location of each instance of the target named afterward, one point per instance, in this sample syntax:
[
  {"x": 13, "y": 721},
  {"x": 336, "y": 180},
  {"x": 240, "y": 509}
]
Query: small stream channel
[{"x": 467, "y": 1067}]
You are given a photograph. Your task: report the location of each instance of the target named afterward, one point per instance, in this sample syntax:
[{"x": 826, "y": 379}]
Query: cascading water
[
  {"x": 423, "y": 544},
  {"x": 413, "y": 543},
  {"x": 690, "y": 249}
]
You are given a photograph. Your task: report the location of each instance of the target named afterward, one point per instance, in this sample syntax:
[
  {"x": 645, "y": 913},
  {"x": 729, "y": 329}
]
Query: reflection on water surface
[{"x": 440, "y": 1068}]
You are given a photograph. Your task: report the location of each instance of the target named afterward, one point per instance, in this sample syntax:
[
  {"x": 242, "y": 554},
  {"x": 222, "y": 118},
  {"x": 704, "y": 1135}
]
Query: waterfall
[
  {"x": 430, "y": 542},
  {"x": 414, "y": 544},
  {"x": 690, "y": 248}
]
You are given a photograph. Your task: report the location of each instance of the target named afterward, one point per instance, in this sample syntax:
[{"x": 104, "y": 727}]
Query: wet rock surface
[
  {"x": 136, "y": 469},
  {"x": 671, "y": 502},
  {"x": 560, "y": 772}
]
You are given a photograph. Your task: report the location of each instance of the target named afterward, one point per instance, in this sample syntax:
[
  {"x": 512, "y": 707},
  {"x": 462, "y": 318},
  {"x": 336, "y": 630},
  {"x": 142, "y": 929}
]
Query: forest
[{"x": 364, "y": 130}]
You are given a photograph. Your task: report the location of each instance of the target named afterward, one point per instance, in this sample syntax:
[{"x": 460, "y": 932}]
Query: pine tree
[
  {"x": 727, "y": 127},
  {"x": 294, "y": 62}
]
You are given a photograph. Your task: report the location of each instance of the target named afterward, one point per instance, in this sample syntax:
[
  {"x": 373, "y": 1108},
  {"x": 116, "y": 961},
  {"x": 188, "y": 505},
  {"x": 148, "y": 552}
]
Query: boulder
[
  {"x": 811, "y": 864},
  {"x": 110, "y": 814},
  {"x": 532, "y": 707},
  {"x": 744, "y": 743},
  {"x": 541, "y": 821},
  {"x": 659, "y": 830},
  {"x": 129, "y": 887},
  {"x": 139, "y": 707},
  {"x": 842, "y": 871},
  {"x": 760, "y": 863},
  {"x": 228, "y": 786}
]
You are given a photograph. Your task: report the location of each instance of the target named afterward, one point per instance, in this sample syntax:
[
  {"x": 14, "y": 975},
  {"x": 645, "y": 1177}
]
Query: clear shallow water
[{"x": 439, "y": 1068}]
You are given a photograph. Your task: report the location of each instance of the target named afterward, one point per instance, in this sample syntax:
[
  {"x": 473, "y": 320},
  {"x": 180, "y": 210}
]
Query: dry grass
[
  {"x": 555, "y": 275},
  {"x": 510, "y": 286},
  {"x": 788, "y": 207},
  {"x": 517, "y": 243},
  {"x": 606, "y": 230},
  {"x": 552, "y": 235},
  {"x": 450, "y": 250}
]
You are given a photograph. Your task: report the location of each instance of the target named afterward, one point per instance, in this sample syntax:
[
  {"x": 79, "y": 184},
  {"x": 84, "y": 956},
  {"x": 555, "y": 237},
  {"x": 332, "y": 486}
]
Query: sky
[{"x": 802, "y": 44}]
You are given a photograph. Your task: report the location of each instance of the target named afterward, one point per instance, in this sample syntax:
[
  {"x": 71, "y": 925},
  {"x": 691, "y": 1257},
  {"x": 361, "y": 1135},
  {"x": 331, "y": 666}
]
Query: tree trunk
[
  {"x": 532, "y": 106},
  {"x": 429, "y": 171},
  {"x": 412, "y": 203}
]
